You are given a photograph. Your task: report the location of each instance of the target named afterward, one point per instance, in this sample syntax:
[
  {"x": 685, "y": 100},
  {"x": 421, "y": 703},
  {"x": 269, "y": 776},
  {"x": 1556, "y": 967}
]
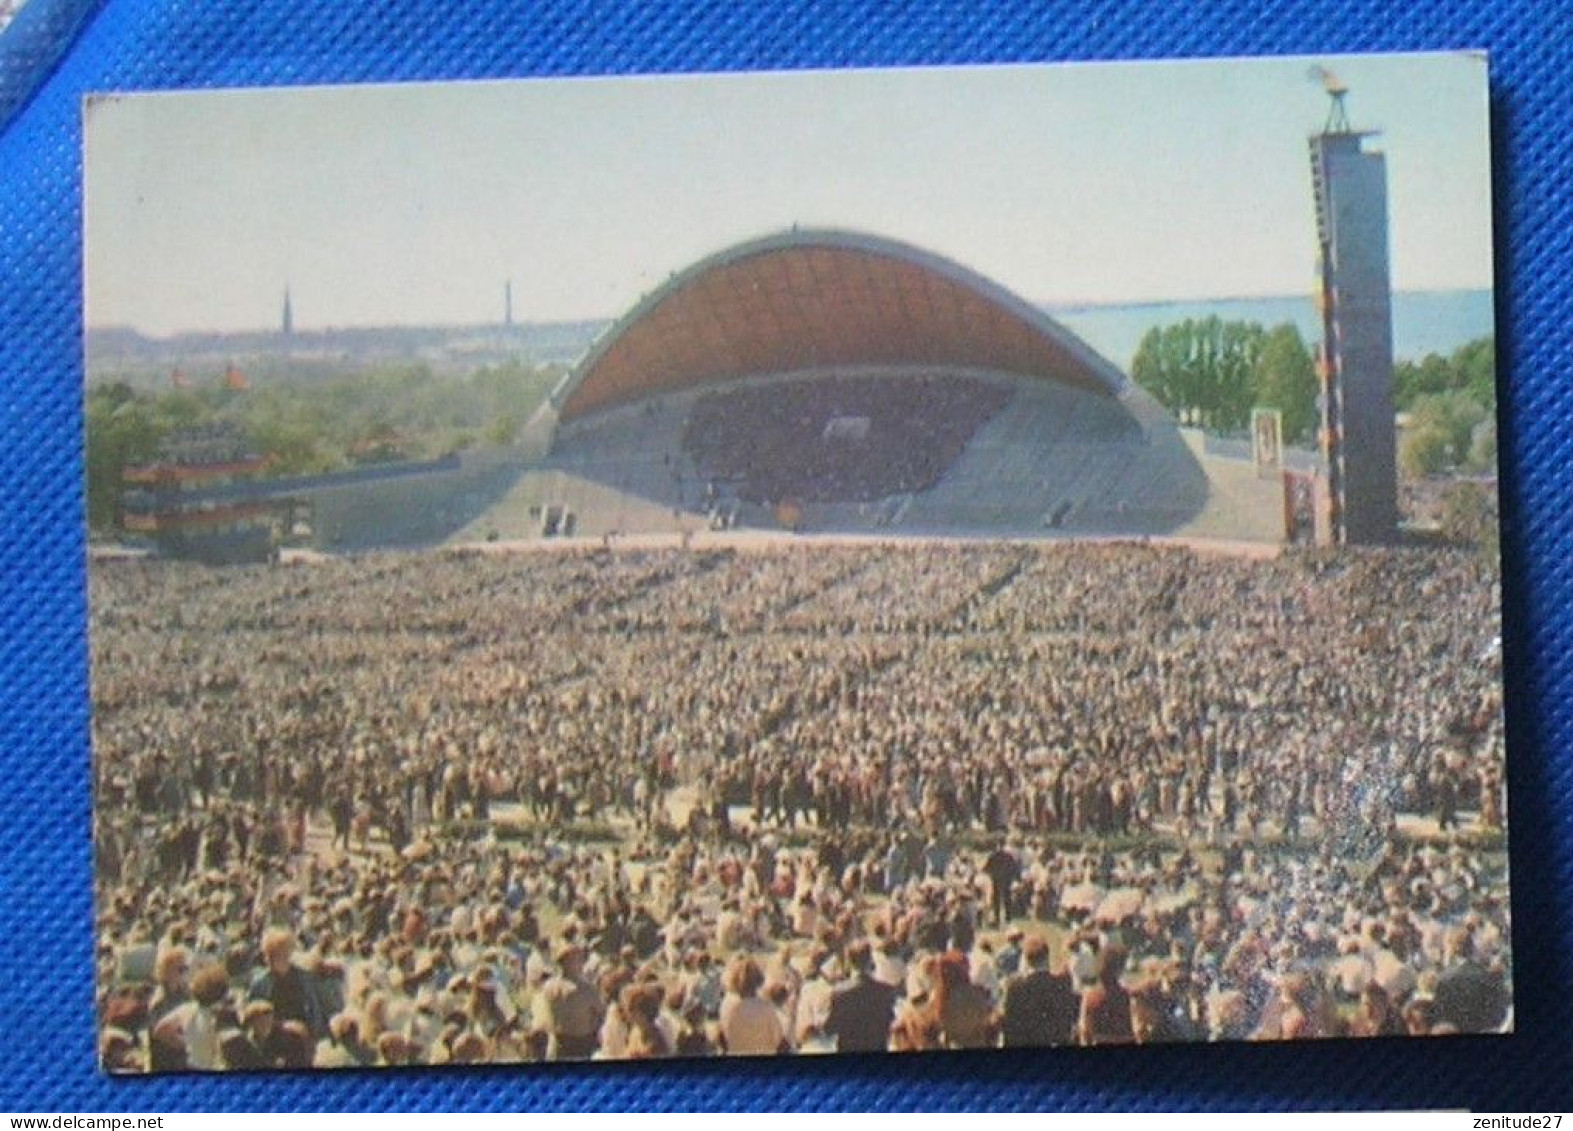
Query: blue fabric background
[{"x": 59, "y": 49}]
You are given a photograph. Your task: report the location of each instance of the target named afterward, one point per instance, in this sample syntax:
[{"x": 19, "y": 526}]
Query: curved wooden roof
[{"x": 803, "y": 301}]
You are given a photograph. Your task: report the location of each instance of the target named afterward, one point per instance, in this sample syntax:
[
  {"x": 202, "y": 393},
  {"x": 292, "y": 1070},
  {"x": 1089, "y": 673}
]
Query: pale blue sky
[{"x": 1090, "y": 183}]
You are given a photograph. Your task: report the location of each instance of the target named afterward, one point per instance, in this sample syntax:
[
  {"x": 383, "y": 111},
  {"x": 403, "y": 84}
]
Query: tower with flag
[{"x": 1354, "y": 298}]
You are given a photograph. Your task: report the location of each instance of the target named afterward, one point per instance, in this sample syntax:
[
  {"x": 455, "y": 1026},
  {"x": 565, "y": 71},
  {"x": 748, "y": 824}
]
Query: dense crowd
[
  {"x": 837, "y": 439},
  {"x": 444, "y": 808}
]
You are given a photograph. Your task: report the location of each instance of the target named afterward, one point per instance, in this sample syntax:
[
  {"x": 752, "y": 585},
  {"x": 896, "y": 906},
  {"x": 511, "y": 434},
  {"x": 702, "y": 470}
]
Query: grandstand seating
[
  {"x": 782, "y": 440},
  {"x": 999, "y": 455}
]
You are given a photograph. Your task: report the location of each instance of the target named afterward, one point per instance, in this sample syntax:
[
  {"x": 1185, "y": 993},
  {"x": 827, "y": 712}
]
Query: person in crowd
[
  {"x": 195, "y": 1026},
  {"x": 575, "y": 1009},
  {"x": 1040, "y": 1007},
  {"x": 748, "y": 1024},
  {"x": 1105, "y": 1017},
  {"x": 966, "y": 1016},
  {"x": 171, "y": 969},
  {"x": 291, "y": 991},
  {"x": 862, "y": 1011},
  {"x": 261, "y": 1041}
]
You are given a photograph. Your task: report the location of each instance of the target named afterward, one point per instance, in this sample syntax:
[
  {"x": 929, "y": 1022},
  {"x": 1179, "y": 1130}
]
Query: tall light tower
[{"x": 1354, "y": 296}]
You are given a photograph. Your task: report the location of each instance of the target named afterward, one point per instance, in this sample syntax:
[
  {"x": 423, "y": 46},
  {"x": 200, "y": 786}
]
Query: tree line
[
  {"x": 1451, "y": 409},
  {"x": 1212, "y": 373},
  {"x": 314, "y": 425}
]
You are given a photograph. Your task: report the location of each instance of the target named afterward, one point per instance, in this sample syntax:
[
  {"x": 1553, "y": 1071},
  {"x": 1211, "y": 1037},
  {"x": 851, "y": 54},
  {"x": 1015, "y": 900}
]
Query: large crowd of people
[
  {"x": 837, "y": 439},
  {"x": 450, "y": 808}
]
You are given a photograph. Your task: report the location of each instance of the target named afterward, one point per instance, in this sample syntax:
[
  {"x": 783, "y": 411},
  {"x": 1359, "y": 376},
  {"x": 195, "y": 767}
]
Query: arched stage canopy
[{"x": 822, "y": 300}]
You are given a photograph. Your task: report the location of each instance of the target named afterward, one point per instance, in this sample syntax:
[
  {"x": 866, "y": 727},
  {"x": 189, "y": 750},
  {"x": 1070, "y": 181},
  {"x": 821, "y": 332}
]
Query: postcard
[{"x": 771, "y": 564}]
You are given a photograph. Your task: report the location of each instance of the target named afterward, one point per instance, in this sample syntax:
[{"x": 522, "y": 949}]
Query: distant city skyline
[{"x": 1082, "y": 185}]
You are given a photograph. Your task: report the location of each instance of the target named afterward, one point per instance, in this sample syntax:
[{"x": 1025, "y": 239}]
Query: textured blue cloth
[{"x": 59, "y": 49}]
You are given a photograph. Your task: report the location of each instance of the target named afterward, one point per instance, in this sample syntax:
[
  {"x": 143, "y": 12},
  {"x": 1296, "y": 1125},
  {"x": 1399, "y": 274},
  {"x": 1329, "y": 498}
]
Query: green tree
[
  {"x": 1431, "y": 376},
  {"x": 1285, "y": 379},
  {"x": 1471, "y": 369},
  {"x": 1156, "y": 369},
  {"x": 1440, "y": 433},
  {"x": 293, "y": 444},
  {"x": 1202, "y": 370},
  {"x": 1477, "y": 365},
  {"x": 503, "y": 429},
  {"x": 311, "y": 422},
  {"x": 123, "y": 428},
  {"x": 460, "y": 441},
  {"x": 1424, "y": 451},
  {"x": 1483, "y": 447},
  {"x": 182, "y": 409}
]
